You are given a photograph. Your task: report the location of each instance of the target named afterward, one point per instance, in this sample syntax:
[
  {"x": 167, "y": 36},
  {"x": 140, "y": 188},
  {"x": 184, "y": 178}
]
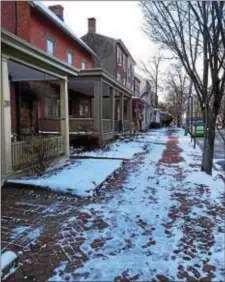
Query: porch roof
[
  {"x": 101, "y": 74},
  {"x": 139, "y": 99},
  {"x": 25, "y": 53}
]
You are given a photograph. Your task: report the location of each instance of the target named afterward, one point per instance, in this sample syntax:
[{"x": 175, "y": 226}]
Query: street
[
  {"x": 219, "y": 151},
  {"x": 157, "y": 218}
]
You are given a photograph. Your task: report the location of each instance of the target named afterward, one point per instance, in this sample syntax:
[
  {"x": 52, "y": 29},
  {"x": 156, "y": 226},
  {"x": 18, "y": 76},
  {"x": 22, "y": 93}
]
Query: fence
[{"x": 22, "y": 153}]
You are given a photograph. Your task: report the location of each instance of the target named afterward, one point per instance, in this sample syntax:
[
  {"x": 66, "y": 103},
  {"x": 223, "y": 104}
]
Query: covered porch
[
  {"x": 21, "y": 63},
  {"x": 98, "y": 105}
]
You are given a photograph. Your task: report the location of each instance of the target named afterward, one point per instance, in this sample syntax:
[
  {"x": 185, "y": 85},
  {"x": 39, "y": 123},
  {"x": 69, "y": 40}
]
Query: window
[
  {"x": 83, "y": 65},
  {"x": 124, "y": 62},
  {"x": 124, "y": 81},
  {"x": 84, "y": 109},
  {"x": 129, "y": 69},
  {"x": 52, "y": 107},
  {"x": 118, "y": 54},
  {"x": 118, "y": 76},
  {"x": 69, "y": 58},
  {"x": 50, "y": 46}
]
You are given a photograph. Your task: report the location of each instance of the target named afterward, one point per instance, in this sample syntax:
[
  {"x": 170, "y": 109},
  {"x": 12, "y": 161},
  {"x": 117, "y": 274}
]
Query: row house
[
  {"x": 116, "y": 59},
  {"x": 142, "y": 103},
  {"x": 51, "y": 83}
]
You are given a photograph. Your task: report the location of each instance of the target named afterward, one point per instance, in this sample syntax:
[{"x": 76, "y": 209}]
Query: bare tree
[
  {"x": 194, "y": 30},
  {"x": 152, "y": 69},
  {"x": 177, "y": 84}
]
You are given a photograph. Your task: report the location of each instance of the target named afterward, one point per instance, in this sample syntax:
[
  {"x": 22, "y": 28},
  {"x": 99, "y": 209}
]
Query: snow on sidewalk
[
  {"x": 78, "y": 178},
  {"x": 159, "y": 226}
]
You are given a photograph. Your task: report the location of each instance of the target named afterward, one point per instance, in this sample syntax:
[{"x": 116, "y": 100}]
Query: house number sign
[{"x": 6, "y": 103}]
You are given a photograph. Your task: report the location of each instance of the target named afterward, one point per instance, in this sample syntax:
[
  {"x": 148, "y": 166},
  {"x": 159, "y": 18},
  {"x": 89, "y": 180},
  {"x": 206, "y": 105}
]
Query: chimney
[
  {"x": 91, "y": 25},
  {"x": 58, "y": 10}
]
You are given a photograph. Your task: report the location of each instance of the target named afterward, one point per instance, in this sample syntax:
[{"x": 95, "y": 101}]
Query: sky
[{"x": 117, "y": 19}]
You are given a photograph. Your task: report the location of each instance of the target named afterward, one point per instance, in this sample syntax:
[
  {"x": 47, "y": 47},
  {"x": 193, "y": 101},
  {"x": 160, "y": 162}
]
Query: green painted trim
[
  {"x": 106, "y": 77},
  {"x": 19, "y": 45}
]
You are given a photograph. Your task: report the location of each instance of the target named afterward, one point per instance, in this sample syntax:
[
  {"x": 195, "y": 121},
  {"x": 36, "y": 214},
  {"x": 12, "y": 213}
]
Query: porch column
[
  {"x": 130, "y": 114},
  {"x": 64, "y": 114},
  {"x": 112, "y": 98},
  {"x": 98, "y": 106},
  {"x": 121, "y": 109},
  {"x": 6, "y": 155}
]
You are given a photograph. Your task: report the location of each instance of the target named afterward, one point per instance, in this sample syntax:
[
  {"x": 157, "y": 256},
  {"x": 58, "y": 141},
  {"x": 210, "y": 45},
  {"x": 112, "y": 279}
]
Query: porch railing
[
  {"x": 21, "y": 156},
  {"x": 118, "y": 125},
  {"x": 107, "y": 125},
  {"x": 125, "y": 125},
  {"x": 81, "y": 124},
  {"x": 49, "y": 124}
]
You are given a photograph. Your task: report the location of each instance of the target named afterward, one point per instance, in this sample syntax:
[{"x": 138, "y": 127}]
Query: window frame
[
  {"x": 69, "y": 52},
  {"x": 119, "y": 77},
  {"x": 55, "y": 107},
  {"x": 48, "y": 38},
  {"x": 124, "y": 62},
  {"x": 83, "y": 106},
  {"x": 85, "y": 63}
]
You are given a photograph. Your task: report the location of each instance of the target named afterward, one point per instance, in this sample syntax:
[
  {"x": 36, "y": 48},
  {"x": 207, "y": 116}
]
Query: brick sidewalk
[
  {"x": 60, "y": 221},
  {"x": 39, "y": 209}
]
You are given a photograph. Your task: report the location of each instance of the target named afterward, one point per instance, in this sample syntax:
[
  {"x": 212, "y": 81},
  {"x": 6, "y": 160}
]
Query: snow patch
[{"x": 79, "y": 178}]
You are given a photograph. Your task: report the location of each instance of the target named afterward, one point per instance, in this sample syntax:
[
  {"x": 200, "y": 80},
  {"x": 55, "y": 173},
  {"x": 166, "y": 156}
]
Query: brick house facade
[{"x": 41, "y": 27}]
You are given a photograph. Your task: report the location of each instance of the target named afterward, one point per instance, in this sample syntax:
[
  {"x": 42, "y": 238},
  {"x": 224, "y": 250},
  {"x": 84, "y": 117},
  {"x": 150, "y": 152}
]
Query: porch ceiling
[
  {"x": 107, "y": 78},
  {"x": 19, "y": 72}
]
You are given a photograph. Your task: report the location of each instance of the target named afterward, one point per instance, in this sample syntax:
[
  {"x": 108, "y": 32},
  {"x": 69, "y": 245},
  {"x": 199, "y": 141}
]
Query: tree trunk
[
  {"x": 208, "y": 149},
  {"x": 178, "y": 121}
]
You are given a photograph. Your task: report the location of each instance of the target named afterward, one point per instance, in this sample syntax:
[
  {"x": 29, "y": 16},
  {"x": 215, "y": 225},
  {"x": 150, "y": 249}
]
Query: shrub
[{"x": 40, "y": 152}]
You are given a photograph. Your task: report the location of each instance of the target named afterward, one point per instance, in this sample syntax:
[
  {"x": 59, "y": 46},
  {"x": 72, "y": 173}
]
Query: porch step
[{"x": 9, "y": 264}]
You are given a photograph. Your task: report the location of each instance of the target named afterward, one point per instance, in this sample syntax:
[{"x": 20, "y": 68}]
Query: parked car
[{"x": 198, "y": 129}]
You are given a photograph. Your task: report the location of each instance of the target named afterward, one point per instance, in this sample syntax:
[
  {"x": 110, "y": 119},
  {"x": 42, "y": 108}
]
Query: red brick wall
[
  {"x": 15, "y": 17},
  {"x": 42, "y": 27},
  {"x": 8, "y": 9},
  {"x": 23, "y": 18},
  {"x": 31, "y": 25}
]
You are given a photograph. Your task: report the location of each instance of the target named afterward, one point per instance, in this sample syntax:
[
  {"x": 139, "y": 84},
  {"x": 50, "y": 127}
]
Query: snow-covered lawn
[
  {"x": 118, "y": 149},
  {"x": 78, "y": 178},
  {"x": 158, "y": 225},
  {"x": 127, "y": 148}
]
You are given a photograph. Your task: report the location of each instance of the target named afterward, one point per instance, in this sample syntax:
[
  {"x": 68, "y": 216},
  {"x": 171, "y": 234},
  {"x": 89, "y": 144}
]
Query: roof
[
  {"x": 45, "y": 10},
  {"x": 119, "y": 41}
]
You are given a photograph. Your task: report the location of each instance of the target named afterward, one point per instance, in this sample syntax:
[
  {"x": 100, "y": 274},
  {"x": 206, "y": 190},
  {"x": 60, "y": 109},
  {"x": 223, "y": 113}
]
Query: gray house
[{"x": 117, "y": 60}]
